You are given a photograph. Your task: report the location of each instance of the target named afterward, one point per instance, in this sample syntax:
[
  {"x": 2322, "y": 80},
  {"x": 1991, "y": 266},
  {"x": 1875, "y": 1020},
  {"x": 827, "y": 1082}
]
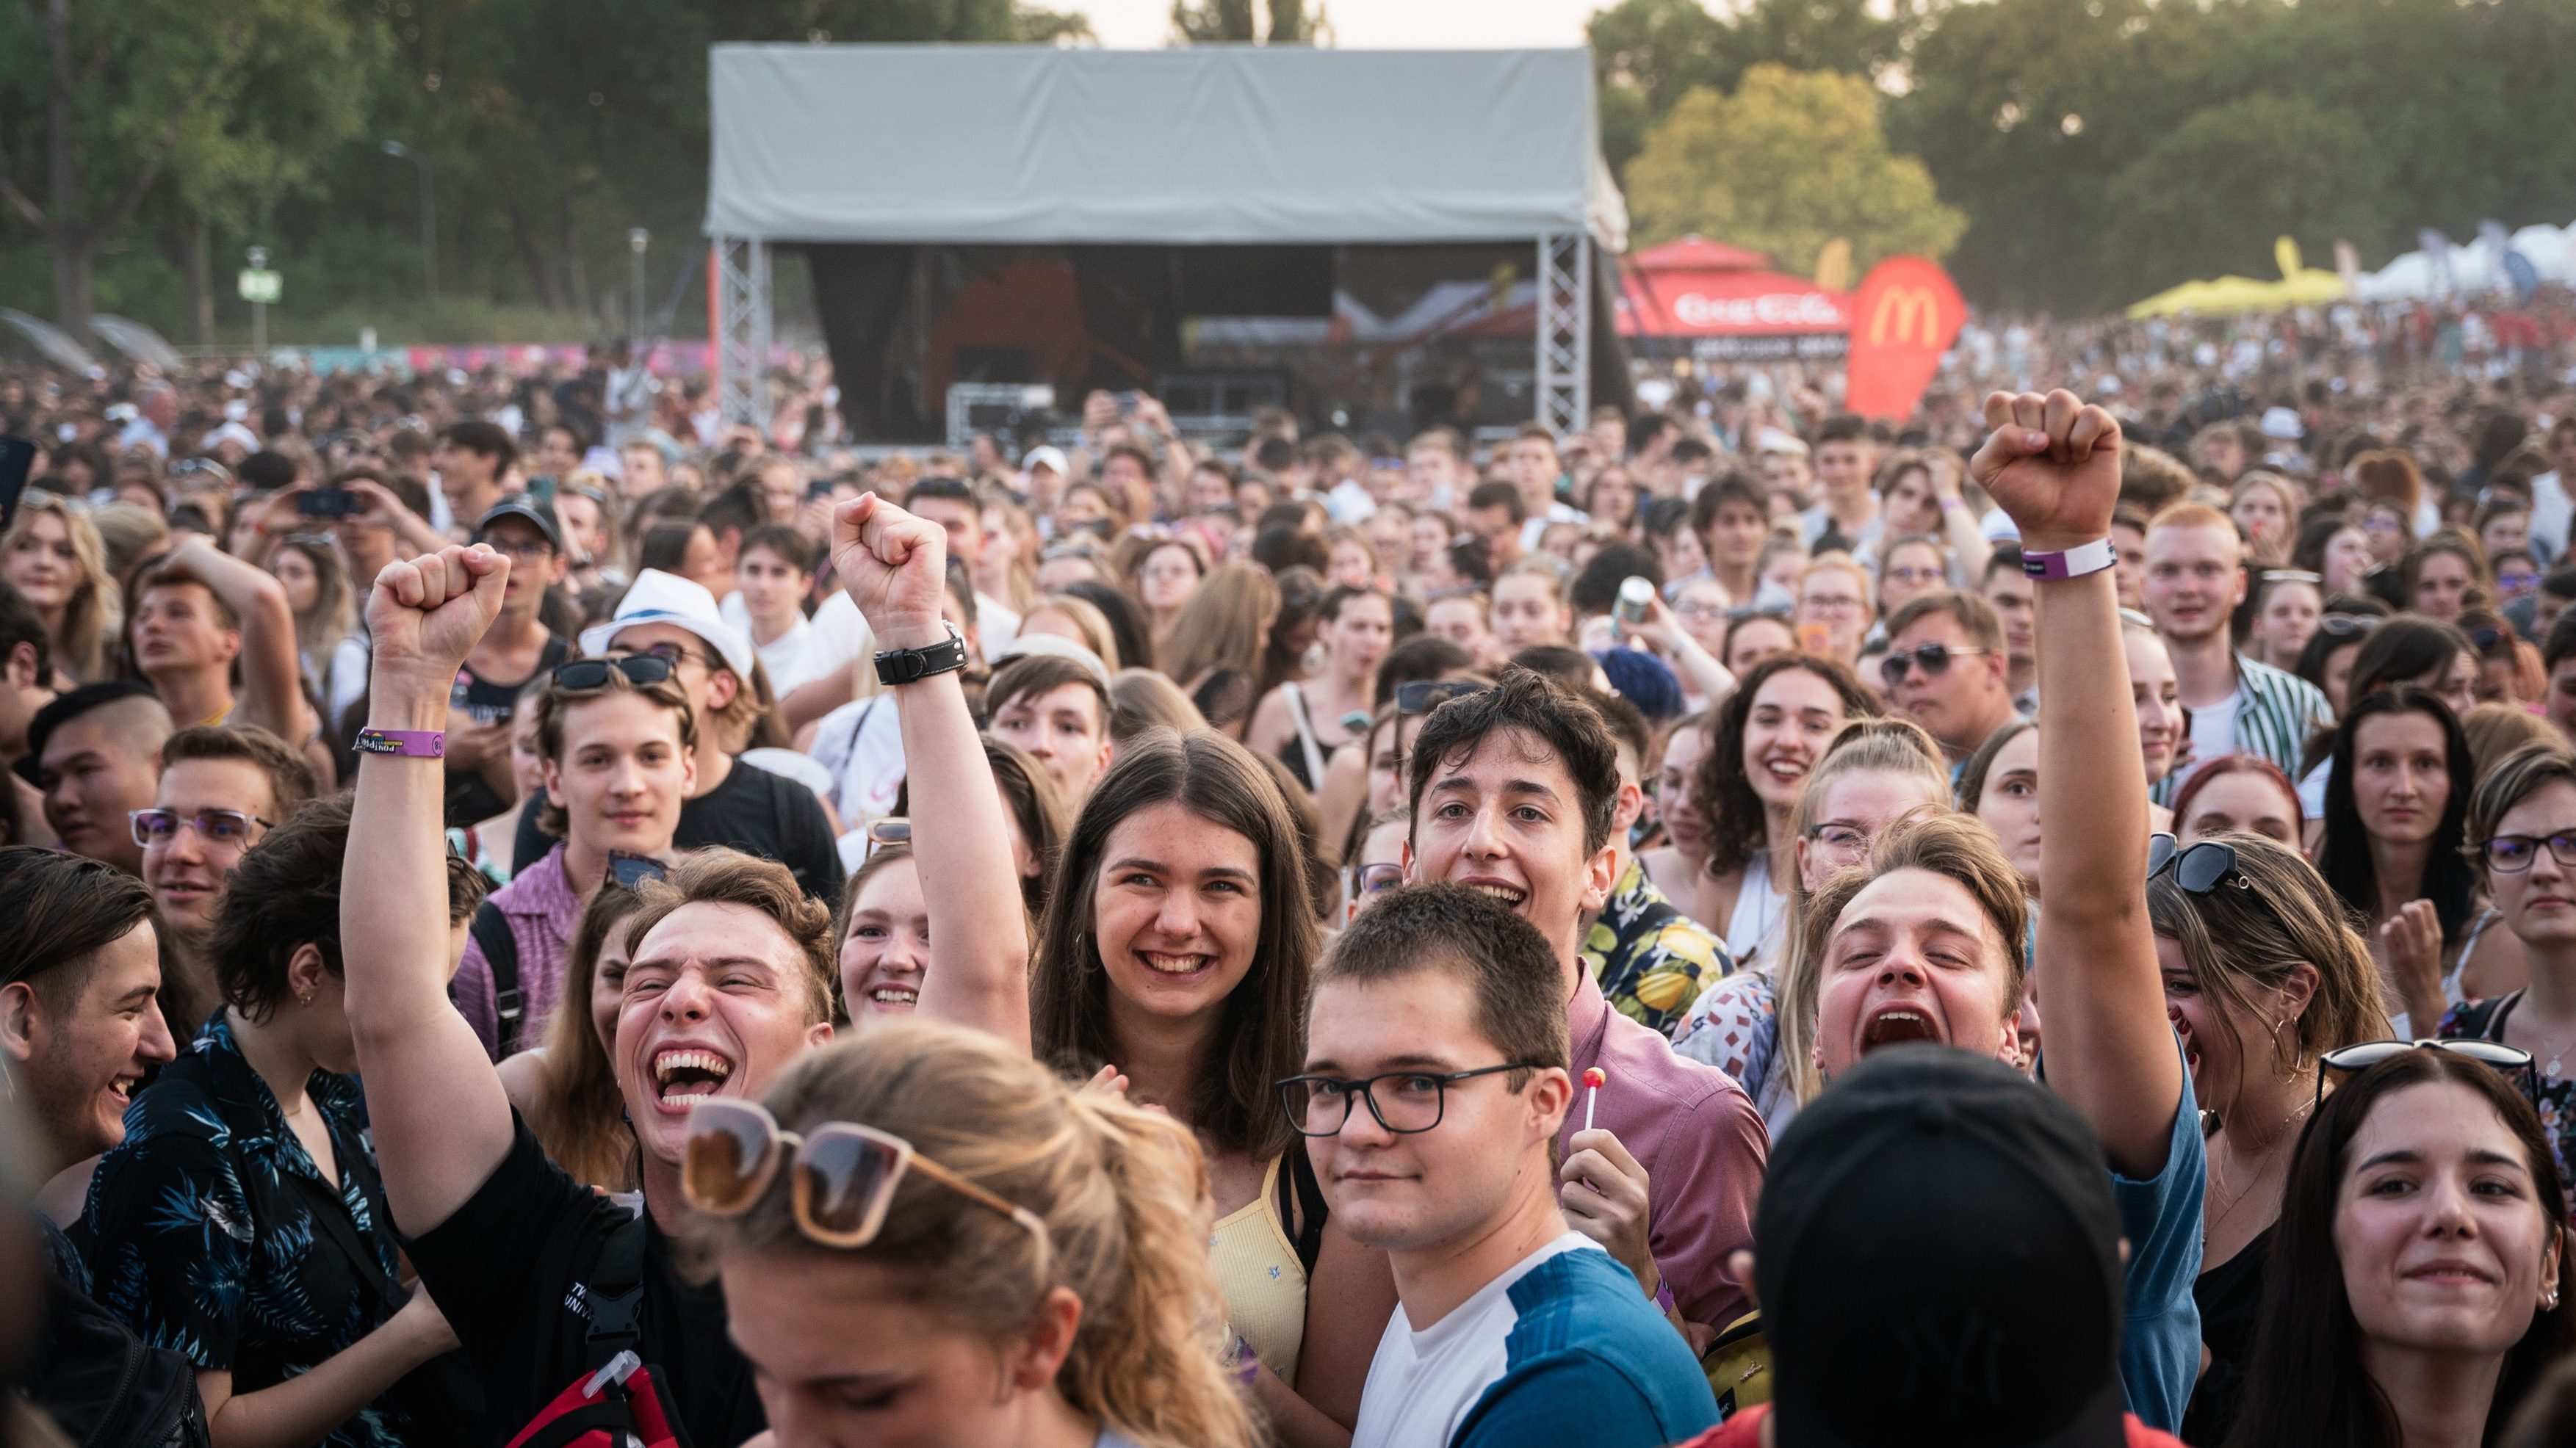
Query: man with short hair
[
  {"x": 1539, "y": 473},
  {"x": 1436, "y": 467},
  {"x": 222, "y": 790},
  {"x": 1786, "y": 472},
  {"x": 1730, "y": 521},
  {"x": 2008, "y": 591},
  {"x": 1847, "y": 514},
  {"x": 1056, "y": 708},
  {"x": 1513, "y": 794},
  {"x": 729, "y": 516},
  {"x": 200, "y": 616},
  {"x": 642, "y": 469},
  {"x": 2195, "y": 580},
  {"x": 2129, "y": 544},
  {"x": 1651, "y": 960},
  {"x": 1438, "y": 1078},
  {"x": 736, "y": 805},
  {"x": 469, "y": 460},
  {"x": 1496, "y": 515},
  {"x": 953, "y": 506},
  {"x": 96, "y": 754},
  {"x": 772, "y": 575},
  {"x": 1945, "y": 669},
  {"x": 512, "y": 654}
]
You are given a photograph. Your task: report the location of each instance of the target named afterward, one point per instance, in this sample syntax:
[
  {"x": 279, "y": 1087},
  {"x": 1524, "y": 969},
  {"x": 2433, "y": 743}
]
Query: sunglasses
[
  {"x": 1424, "y": 695},
  {"x": 2511, "y": 1060},
  {"x": 2345, "y": 625},
  {"x": 1935, "y": 659},
  {"x": 2199, "y": 869},
  {"x": 891, "y": 830},
  {"x": 631, "y": 870},
  {"x": 841, "y": 1175},
  {"x": 215, "y": 826},
  {"x": 593, "y": 673}
]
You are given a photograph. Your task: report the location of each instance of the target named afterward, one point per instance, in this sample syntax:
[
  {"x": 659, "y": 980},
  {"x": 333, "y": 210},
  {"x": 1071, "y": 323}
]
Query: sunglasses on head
[
  {"x": 2345, "y": 625},
  {"x": 2198, "y": 870},
  {"x": 841, "y": 1175},
  {"x": 593, "y": 673},
  {"x": 1424, "y": 695},
  {"x": 1935, "y": 659},
  {"x": 2495, "y": 1055}
]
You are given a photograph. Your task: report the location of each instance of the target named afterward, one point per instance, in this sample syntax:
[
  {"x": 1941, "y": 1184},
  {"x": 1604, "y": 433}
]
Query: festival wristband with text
[
  {"x": 2074, "y": 562},
  {"x": 403, "y": 743}
]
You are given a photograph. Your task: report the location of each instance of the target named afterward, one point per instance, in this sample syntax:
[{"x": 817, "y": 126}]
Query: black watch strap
[{"x": 910, "y": 666}]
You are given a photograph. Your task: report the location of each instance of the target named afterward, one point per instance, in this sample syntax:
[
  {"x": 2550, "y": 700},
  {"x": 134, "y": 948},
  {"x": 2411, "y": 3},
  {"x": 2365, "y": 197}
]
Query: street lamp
[
  {"x": 428, "y": 216},
  {"x": 637, "y": 239}
]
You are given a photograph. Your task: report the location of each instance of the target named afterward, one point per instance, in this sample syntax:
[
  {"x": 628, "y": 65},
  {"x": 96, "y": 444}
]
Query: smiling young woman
[{"x": 1769, "y": 735}]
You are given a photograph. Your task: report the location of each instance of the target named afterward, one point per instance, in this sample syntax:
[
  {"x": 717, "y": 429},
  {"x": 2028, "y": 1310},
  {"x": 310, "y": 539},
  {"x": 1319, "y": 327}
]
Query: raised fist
[
  {"x": 427, "y": 612},
  {"x": 895, "y": 566},
  {"x": 2053, "y": 465}
]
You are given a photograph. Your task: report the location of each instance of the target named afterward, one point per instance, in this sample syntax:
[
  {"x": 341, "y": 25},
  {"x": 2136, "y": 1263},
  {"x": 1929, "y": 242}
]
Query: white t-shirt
[
  {"x": 861, "y": 743},
  {"x": 2213, "y": 728},
  {"x": 996, "y": 622},
  {"x": 1421, "y": 1384},
  {"x": 782, "y": 656}
]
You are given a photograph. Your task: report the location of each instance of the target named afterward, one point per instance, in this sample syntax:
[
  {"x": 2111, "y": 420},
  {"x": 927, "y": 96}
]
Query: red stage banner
[{"x": 1905, "y": 316}]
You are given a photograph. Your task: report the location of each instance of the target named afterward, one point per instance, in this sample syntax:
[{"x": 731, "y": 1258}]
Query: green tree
[
  {"x": 2224, "y": 184},
  {"x": 1789, "y": 162},
  {"x": 1246, "y": 22},
  {"x": 105, "y": 100},
  {"x": 1651, "y": 53}
]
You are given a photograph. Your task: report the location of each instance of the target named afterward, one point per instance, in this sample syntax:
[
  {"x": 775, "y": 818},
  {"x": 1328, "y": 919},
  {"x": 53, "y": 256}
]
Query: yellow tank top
[{"x": 1263, "y": 1282}]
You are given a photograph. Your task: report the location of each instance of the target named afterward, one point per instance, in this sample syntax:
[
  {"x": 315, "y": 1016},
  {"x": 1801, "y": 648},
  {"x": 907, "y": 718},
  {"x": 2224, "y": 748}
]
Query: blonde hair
[
  {"x": 333, "y": 616},
  {"x": 1225, "y": 625},
  {"x": 1864, "y": 746},
  {"x": 1118, "y": 1187},
  {"x": 1957, "y": 847},
  {"x": 92, "y": 616},
  {"x": 2257, "y": 926},
  {"x": 1088, "y": 621}
]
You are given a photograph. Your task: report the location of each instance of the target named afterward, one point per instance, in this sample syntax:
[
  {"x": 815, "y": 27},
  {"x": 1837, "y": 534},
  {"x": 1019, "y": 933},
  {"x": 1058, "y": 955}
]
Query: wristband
[
  {"x": 910, "y": 666},
  {"x": 403, "y": 743},
  {"x": 2075, "y": 562}
]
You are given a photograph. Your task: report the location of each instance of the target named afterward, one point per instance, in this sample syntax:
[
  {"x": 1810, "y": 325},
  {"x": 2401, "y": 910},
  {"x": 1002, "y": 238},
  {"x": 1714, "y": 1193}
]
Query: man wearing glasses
[
  {"x": 1437, "y": 1078},
  {"x": 222, "y": 788},
  {"x": 518, "y": 648},
  {"x": 1946, "y": 669}
]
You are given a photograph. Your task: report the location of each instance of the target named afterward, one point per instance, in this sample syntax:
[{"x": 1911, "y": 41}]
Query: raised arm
[
  {"x": 1967, "y": 537},
  {"x": 2054, "y": 465},
  {"x": 440, "y": 1119},
  {"x": 272, "y": 680},
  {"x": 896, "y": 568}
]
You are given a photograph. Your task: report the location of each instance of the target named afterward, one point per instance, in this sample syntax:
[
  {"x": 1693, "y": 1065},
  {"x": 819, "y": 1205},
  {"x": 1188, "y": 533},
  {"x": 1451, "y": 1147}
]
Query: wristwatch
[{"x": 911, "y": 666}]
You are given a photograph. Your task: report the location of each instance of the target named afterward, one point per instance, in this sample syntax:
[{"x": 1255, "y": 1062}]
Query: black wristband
[{"x": 911, "y": 666}]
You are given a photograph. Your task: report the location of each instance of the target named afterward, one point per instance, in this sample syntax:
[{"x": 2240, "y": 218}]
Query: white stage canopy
[{"x": 1210, "y": 145}]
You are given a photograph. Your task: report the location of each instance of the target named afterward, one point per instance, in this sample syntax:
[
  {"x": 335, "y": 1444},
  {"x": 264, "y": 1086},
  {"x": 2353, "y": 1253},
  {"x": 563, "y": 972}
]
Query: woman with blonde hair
[
  {"x": 1759, "y": 1025},
  {"x": 53, "y": 556},
  {"x": 1077, "y": 620},
  {"x": 974, "y": 1253},
  {"x": 1215, "y": 647},
  {"x": 308, "y": 567},
  {"x": 2263, "y": 508}
]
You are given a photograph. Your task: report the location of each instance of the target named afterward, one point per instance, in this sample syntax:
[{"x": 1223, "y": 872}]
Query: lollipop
[{"x": 1593, "y": 1076}]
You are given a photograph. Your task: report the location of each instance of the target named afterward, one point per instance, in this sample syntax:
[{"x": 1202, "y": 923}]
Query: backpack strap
[
  {"x": 615, "y": 1295},
  {"x": 1311, "y": 1208},
  {"x": 491, "y": 930}
]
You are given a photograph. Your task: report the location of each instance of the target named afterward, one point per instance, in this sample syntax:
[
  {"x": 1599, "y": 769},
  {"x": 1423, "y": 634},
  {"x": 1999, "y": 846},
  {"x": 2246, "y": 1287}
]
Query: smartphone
[
  {"x": 541, "y": 493},
  {"x": 17, "y": 459},
  {"x": 327, "y": 503}
]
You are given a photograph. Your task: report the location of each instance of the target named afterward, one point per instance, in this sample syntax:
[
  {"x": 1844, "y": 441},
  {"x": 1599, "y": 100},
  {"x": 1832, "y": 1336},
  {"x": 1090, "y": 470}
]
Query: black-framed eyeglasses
[
  {"x": 215, "y": 826},
  {"x": 2495, "y": 1055},
  {"x": 2513, "y": 854},
  {"x": 2199, "y": 869},
  {"x": 593, "y": 673},
  {"x": 1414, "y": 1103},
  {"x": 2345, "y": 625},
  {"x": 1935, "y": 659},
  {"x": 1424, "y": 695},
  {"x": 631, "y": 870}
]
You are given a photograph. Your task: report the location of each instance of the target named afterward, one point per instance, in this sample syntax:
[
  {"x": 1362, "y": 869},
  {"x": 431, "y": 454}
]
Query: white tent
[
  {"x": 1191, "y": 147},
  {"x": 2474, "y": 268}
]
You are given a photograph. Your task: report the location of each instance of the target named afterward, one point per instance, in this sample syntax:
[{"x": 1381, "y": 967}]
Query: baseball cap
[
  {"x": 2281, "y": 424},
  {"x": 1046, "y": 457},
  {"x": 542, "y": 519},
  {"x": 659, "y": 597},
  {"x": 1938, "y": 1257},
  {"x": 63, "y": 709}
]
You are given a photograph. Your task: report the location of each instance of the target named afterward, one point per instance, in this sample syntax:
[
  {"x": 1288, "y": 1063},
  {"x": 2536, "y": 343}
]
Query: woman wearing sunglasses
[
  {"x": 2397, "y": 800},
  {"x": 950, "y": 1247},
  {"x": 1176, "y": 948},
  {"x": 2262, "y": 977},
  {"x": 2413, "y": 1293},
  {"x": 2522, "y": 833},
  {"x": 618, "y": 743},
  {"x": 1770, "y": 733}
]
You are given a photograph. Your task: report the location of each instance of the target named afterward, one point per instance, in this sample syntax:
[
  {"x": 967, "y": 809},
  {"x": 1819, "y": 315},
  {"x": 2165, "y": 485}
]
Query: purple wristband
[
  {"x": 2075, "y": 562},
  {"x": 403, "y": 743}
]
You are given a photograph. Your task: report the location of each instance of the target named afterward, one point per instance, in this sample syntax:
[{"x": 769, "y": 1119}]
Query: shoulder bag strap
[
  {"x": 491, "y": 930},
  {"x": 1311, "y": 1207}
]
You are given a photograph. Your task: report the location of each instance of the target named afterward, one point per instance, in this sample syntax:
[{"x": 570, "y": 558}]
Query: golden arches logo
[{"x": 1898, "y": 313}]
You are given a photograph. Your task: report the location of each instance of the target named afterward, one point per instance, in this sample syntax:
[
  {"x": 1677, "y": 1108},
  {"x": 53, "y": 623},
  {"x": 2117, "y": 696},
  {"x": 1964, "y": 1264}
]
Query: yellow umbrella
[{"x": 2299, "y": 286}]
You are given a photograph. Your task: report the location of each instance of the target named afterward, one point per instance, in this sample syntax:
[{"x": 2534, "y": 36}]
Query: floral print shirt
[{"x": 1650, "y": 959}]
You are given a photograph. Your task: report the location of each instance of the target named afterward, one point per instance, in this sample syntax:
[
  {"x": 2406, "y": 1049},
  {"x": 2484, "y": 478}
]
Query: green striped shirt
[{"x": 2276, "y": 711}]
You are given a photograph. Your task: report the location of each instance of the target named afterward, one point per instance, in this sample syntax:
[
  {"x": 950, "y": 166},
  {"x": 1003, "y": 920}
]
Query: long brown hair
[
  {"x": 2305, "y": 1382},
  {"x": 1260, "y": 1036},
  {"x": 1738, "y": 821},
  {"x": 578, "y": 1114},
  {"x": 1117, "y": 1187},
  {"x": 1225, "y": 625}
]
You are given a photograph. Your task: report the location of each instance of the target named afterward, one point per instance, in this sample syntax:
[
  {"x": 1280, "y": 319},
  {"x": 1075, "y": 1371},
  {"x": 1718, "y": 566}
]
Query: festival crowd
[{"x": 531, "y": 917}]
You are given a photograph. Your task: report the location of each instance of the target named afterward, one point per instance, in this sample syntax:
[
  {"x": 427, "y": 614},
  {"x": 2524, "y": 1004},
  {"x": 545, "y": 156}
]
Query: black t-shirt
[
  {"x": 470, "y": 799},
  {"x": 510, "y": 1269},
  {"x": 753, "y": 811}
]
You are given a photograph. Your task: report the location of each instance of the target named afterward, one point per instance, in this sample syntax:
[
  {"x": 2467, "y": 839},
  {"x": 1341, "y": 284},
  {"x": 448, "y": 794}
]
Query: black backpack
[{"x": 103, "y": 1387}]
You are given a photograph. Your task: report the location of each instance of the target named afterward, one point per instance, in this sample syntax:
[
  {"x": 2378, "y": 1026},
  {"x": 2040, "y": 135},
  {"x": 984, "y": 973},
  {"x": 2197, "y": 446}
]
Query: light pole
[
  {"x": 428, "y": 216},
  {"x": 257, "y": 256},
  {"x": 636, "y": 240}
]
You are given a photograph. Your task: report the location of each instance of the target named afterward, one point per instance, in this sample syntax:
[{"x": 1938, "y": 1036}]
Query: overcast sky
[{"x": 1375, "y": 24}]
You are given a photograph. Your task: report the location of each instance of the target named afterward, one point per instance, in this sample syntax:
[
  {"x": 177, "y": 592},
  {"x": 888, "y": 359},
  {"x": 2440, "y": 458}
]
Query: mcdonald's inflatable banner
[{"x": 1907, "y": 314}]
